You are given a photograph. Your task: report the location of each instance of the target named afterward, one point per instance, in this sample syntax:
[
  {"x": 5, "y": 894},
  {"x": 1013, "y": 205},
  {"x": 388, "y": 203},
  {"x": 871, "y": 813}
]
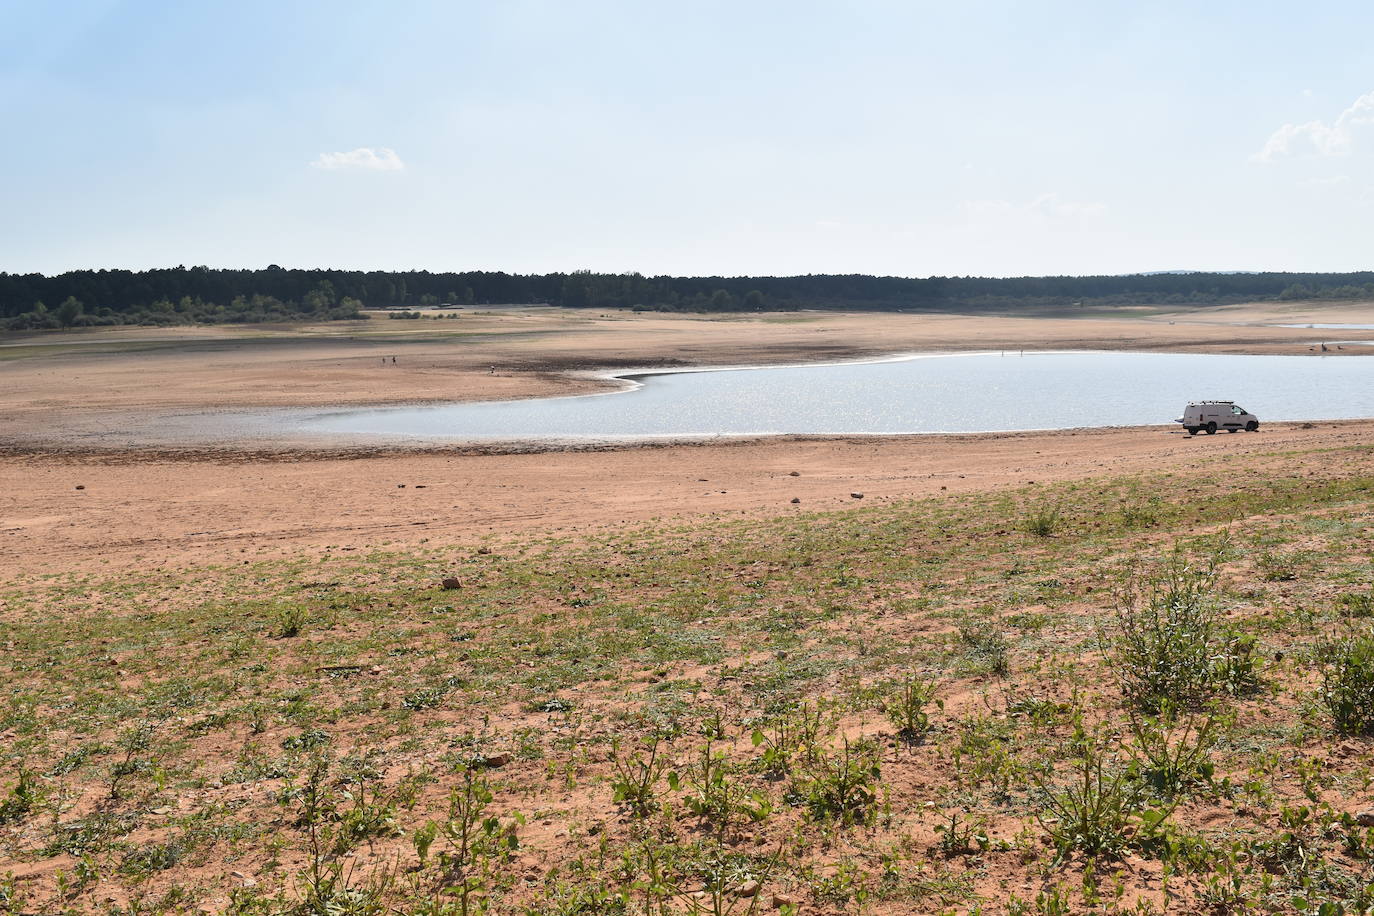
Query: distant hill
[{"x": 187, "y": 295}]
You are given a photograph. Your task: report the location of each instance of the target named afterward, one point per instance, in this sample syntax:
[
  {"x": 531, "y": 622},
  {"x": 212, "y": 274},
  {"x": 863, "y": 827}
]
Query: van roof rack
[{"x": 1200, "y": 403}]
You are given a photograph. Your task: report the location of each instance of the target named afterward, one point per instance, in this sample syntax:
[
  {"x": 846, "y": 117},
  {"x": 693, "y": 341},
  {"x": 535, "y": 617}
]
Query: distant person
[{"x": 393, "y": 360}]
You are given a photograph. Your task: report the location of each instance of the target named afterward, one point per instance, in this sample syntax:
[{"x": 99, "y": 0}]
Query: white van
[{"x": 1210, "y": 416}]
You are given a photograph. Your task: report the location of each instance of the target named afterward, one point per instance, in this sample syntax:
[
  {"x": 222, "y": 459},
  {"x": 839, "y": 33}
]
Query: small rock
[
  {"x": 484, "y": 551},
  {"x": 782, "y": 900},
  {"x": 795, "y": 500},
  {"x": 497, "y": 760},
  {"x": 856, "y": 496},
  {"x": 81, "y": 486},
  {"x": 375, "y": 669},
  {"x": 451, "y": 583},
  {"x": 400, "y": 486},
  {"x": 421, "y": 486},
  {"x": 794, "y": 473},
  {"x": 747, "y": 889},
  {"x": 1365, "y": 818}
]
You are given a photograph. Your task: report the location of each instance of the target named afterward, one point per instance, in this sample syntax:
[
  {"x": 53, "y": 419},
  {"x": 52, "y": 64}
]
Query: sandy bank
[{"x": 150, "y": 509}]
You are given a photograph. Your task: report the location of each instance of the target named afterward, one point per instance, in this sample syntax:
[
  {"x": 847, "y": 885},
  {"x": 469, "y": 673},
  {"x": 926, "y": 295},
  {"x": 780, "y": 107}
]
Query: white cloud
[
  {"x": 366, "y": 158},
  {"x": 1318, "y": 137}
]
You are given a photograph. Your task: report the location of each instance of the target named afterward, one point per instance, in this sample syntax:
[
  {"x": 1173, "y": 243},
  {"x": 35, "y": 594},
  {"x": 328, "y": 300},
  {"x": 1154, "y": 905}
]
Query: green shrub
[
  {"x": 290, "y": 621},
  {"x": 1348, "y": 683},
  {"x": 1171, "y": 647}
]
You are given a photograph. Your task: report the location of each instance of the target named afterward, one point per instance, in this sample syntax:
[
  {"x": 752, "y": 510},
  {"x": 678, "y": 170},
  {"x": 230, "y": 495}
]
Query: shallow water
[
  {"x": 926, "y": 394},
  {"x": 1333, "y": 327}
]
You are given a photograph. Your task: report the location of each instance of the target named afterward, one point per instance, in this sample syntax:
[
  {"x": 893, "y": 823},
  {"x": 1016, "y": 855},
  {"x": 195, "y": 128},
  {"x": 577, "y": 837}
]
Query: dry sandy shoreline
[
  {"x": 72, "y": 497},
  {"x": 146, "y": 510}
]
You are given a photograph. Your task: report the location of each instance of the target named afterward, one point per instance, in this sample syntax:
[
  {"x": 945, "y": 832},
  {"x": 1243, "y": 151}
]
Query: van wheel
[
  {"x": 1252, "y": 426},
  {"x": 1192, "y": 430},
  {"x": 1211, "y": 429}
]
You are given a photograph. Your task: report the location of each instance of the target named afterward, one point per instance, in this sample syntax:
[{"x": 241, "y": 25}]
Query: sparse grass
[{"x": 680, "y": 711}]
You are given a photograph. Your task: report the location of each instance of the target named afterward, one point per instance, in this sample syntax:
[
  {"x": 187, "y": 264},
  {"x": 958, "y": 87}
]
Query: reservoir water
[
  {"x": 1332, "y": 327},
  {"x": 961, "y": 393}
]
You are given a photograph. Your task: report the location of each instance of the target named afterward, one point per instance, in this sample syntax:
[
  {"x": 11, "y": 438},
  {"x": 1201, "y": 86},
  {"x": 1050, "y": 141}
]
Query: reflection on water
[{"x": 930, "y": 394}]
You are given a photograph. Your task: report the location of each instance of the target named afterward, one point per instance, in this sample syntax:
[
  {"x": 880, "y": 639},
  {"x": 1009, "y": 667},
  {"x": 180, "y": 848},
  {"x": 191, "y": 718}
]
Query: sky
[{"x": 702, "y": 138}]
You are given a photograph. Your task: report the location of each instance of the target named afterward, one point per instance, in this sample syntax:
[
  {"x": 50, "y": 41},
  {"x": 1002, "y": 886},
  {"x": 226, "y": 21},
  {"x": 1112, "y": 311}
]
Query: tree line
[{"x": 192, "y": 295}]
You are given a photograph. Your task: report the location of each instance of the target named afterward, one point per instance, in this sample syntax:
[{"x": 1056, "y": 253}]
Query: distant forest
[{"x": 194, "y": 295}]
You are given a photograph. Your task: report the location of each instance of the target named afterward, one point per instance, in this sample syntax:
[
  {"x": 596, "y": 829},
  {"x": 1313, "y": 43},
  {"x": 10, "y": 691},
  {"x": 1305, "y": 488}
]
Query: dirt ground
[{"x": 65, "y": 505}]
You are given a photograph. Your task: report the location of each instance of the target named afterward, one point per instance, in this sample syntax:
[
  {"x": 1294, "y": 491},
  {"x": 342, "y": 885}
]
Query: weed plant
[
  {"x": 1044, "y": 521},
  {"x": 637, "y": 774},
  {"x": 842, "y": 786},
  {"x": 23, "y": 798},
  {"x": 908, "y": 708},
  {"x": 1174, "y": 749},
  {"x": 1100, "y": 810}
]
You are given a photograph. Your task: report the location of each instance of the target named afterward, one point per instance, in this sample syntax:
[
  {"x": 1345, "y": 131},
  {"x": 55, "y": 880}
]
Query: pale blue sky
[{"x": 993, "y": 138}]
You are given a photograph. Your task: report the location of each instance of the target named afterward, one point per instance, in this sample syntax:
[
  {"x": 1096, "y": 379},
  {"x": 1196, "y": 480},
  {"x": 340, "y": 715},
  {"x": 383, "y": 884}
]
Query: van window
[{"x": 1237, "y": 410}]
